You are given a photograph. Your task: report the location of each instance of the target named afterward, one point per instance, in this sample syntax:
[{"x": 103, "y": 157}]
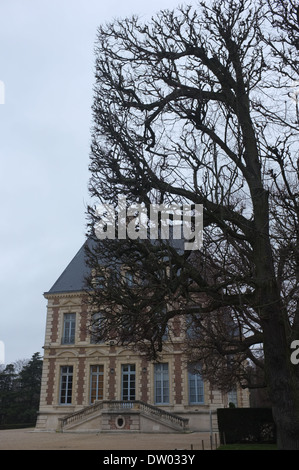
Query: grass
[{"x": 248, "y": 447}]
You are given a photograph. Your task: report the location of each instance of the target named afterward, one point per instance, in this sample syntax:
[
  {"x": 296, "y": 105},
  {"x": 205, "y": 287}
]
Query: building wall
[{"x": 83, "y": 354}]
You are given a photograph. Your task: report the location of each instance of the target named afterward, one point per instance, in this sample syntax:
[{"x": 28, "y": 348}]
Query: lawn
[{"x": 248, "y": 447}]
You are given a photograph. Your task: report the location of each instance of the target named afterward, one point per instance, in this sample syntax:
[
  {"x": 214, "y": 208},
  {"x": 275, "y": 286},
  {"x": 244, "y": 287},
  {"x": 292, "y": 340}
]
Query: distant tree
[
  {"x": 19, "y": 364},
  {"x": 196, "y": 107},
  {"x": 20, "y": 391},
  {"x": 29, "y": 387},
  {"x": 8, "y": 394}
]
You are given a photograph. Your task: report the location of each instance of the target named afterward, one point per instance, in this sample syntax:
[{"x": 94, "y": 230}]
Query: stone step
[{"x": 123, "y": 416}]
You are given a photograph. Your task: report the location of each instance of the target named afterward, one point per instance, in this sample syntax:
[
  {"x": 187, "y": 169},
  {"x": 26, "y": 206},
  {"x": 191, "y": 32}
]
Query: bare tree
[{"x": 194, "y": 108}]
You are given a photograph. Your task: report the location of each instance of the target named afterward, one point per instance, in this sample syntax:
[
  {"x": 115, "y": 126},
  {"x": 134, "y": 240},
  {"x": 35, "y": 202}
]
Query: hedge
[
  {"x": 16, "y": 426},
  {"x": 240, "y": 425}
]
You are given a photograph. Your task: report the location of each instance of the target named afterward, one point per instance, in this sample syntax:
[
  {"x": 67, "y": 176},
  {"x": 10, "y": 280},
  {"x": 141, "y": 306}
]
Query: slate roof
[{"x": 73, "y": 277}]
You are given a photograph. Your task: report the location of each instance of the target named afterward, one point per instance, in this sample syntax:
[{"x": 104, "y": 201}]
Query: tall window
[
  {"x": 192, "y": 327},
  {"x": 96, "y": 383},
  {"x": 69, "y": 327},
  {"x": 161, "y": 384},
  {"x": 232, "y": 397},
  {"x": 128, "y": 382},
  {"x": 196, "y": 388},
  {"x": 66, "y": 385},
  {"x": 95, "y": 328}
]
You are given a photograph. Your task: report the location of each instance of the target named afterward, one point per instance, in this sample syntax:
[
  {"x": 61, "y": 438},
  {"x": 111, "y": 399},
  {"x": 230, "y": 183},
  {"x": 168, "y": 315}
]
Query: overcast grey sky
[{"x": 47, "y": 67}]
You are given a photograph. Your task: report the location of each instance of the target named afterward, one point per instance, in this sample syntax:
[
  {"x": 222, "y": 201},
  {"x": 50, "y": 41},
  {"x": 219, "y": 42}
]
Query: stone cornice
[{"x": 62, "y": 295}]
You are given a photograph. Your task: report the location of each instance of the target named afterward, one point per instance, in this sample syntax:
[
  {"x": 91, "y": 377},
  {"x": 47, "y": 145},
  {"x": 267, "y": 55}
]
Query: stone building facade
[{"x": 104, "y": 387}]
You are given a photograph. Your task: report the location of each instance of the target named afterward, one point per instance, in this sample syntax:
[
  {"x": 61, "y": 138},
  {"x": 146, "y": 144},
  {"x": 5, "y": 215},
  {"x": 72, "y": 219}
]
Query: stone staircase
[{"x": 109, "y": 416}]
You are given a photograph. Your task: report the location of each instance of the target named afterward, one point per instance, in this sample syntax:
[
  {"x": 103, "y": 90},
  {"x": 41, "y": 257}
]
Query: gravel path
[{"x": 28, "y": 439}]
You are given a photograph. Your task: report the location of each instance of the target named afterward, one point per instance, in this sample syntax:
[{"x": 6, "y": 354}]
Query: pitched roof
[{"x": 73, "y": 277}]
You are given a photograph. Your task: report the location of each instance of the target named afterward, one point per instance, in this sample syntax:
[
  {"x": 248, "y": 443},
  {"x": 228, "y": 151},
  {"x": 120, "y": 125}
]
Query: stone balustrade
[{"x": 122, "y": 406}]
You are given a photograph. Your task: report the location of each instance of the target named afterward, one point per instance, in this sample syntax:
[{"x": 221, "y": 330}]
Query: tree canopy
[
  {"x": 199, "y": 106},
  {"x": 20, "y": 392}
]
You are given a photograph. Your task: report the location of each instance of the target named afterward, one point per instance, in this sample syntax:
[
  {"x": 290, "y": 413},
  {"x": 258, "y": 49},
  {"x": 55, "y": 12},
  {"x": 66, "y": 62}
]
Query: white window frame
[
  {"x": 99, "y": 372},
  {"x": 129, "y": 376},
  {"x": 161, "y": 383},
  {"x": 69, "y": 328},
  {"x": 66, "y": 378},
  {"x": 195, "y": 386}
]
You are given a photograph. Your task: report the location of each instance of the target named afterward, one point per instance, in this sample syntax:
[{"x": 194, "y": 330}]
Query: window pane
[
  {"x": 66, "y": 385},
  {"x": 161, "y": 384},
  {"x": 196, "y": 388},
  {"x": 96, "y": 383},
  {"x": 96, "y": 328},
  {"x": 69, "y": 327},
  {"x": 232, "y": 397},
  {"x": 128, "y": 382}
]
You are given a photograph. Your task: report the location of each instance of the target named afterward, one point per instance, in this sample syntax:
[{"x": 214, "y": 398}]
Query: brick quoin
[
  {"x": 111, "y": 378},
  {"x": 177, "y": 327},
  {"x": 50, "y": 387},
  {"x": 81, "y": 378},
  {"x": 54, "y": 328},
  {"x": 178, "y": 379},
  {"x": 144, "y": 380}
]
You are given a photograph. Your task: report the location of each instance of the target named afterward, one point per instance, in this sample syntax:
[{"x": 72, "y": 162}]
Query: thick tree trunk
[
  {"x": 287, "y": 430},
  {"x": 281, "y": 375},
  {"x": 286, "y": 413},
  {"x": 283, "y": 383}
]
